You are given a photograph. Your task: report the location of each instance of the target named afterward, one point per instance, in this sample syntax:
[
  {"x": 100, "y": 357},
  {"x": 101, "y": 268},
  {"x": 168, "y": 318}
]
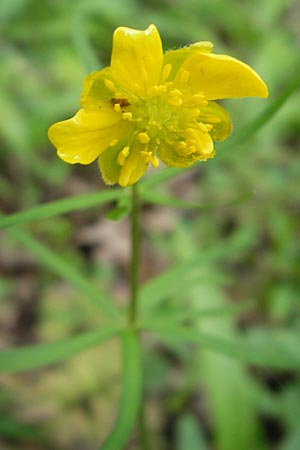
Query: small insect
[{"x": 121, "y": 101}]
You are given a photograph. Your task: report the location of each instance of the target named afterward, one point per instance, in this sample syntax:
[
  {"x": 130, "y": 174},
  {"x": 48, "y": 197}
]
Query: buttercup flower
[{"x": 150, "y": 106}]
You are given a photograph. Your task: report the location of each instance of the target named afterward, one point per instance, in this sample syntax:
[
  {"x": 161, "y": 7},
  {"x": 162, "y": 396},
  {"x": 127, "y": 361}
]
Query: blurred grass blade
[
  {"x": 189, "y": 435},
  {"x": 39, "y": 355},
  {"x": 159, "y": 176},
  {"x": 131, "y": 392},
  {"x": 183, "y": 276},
  {"x": 82, "y": 44},
  {"x": 183, "y": 315},
  {"x": 63, "y": 268},
  {"x": 278, "y": 350},
  {"x": 65, "y": 205},
  {"x": 291, "y": 442},
  {"x": 157, "y": 198}
]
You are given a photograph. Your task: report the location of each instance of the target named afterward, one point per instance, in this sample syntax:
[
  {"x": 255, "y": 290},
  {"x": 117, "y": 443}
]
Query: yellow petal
[
  {"x": 137, "y": 58},
  {"x": 133, "y": 168},
  {"x": 220, "y": 76},
  {"x": 216, "y": 115},
  {"x": 177, "y": 57},
  {"x": 95, "y": 91},
  {"x": 85, "y": 136}
]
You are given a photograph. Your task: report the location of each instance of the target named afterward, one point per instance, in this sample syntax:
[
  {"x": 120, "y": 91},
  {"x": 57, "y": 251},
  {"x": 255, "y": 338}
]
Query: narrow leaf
[
  {"x": 39, "y": 355},
  {"x": 189, "y": 435},
  {"x": 63, "y": 268},
  {"x": 277, "y": 351},
  {"x": 157, "y": 198},
  {"x": 63, "y": 206},
  {"x": 184, "y": 275},
  {"x": 131, "y": 392}
]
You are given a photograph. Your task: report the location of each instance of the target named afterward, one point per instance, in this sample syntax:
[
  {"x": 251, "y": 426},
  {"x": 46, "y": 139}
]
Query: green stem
[{"x": 135, "y": 257}]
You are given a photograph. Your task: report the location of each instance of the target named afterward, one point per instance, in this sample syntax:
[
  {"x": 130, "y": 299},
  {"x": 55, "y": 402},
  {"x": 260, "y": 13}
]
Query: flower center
[{"x": 169, "y": 114}]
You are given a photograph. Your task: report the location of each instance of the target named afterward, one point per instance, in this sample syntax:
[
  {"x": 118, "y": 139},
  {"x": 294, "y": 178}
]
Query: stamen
[
  {"x": 144, "y": 138},
  {"x": 154, "y": 161},
  {"x": 117, "y": 107},
  {"x": 174, "y": 97},
  {"x": 212, "y": 119},
  {"x": 184, "y": 76},
  {"x": 166, "y": 72},
  {"x": 146, "y": 156},
  {"x": 127, "y": 115},
  {"x": 123, "y": 155},
  {"x": 157, "y": 89}
]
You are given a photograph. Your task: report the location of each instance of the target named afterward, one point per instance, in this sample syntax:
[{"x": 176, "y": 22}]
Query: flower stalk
[{"x": 135, "y": 256}]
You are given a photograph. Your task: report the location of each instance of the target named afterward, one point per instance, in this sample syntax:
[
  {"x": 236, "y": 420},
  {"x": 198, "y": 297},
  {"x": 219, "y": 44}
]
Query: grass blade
[
  {"x": 58, "y": 265},
  {"x": 63, "y": 206},
  {"x": 39, "y": 355},
  {"x": 131, "y": 392},
  {"x": 277, "y": 350},
  {"x": 156, "y": 198}
]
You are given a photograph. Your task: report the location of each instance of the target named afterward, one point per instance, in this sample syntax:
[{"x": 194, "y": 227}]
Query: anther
[
  {"x": 146, "y": 156},
  {"x": 144, "y": 138},
  {"x": 127, "y": 115},
  {"x": 123, "y": 155},
  {"x": 154, "y": 161}
]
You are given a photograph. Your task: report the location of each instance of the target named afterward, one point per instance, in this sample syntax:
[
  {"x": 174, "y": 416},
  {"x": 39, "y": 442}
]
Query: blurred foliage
[{"x": 197, "y": 398}]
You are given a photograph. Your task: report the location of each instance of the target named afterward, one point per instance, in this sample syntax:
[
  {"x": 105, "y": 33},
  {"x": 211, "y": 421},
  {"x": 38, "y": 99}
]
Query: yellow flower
[{"x": 149, "y": 105}]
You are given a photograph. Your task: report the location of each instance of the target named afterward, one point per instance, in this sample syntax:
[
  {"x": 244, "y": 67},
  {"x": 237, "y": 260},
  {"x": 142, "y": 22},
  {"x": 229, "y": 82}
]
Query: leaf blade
[
  {"x": 27, "y": 358},
  {"x": 131, "y": 392},
  {"x": 62, "y": 206}
]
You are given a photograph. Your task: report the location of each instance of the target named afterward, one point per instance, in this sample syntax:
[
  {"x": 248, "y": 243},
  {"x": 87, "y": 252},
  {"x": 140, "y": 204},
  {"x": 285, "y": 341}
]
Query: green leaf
[
  {"x": 131, "y": 392},
  {"x": 121, "y": 210},
  {"x": 189, "y": 435},
  {"x": 61, "y": 267},
  {"x": 65, "y": 205},
  {"x": 291, "y": 442},
  {"x": 276, "y": 349},
  {"x": 182, "y": 315},
  {"x": 184, "y": 275},
  {"x": 27, "y": 358},
  {"x": 157, "y": 198}
]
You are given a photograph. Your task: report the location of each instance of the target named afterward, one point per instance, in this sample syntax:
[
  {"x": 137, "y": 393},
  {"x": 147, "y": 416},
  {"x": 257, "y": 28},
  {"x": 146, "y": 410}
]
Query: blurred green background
[{"x": 196, "y": 399}]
